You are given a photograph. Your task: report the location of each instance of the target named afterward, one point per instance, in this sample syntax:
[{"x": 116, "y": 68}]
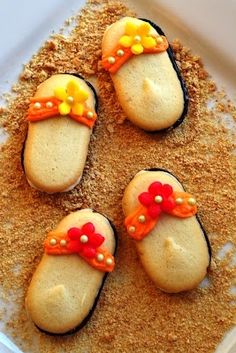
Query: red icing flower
[
  {"x": 84, "y": 240},
  {"x": 158, "y": 199}
]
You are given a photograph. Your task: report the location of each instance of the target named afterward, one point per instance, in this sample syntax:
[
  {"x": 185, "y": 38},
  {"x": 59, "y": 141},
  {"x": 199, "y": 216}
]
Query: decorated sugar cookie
[
  {"x": 61, "y": 116},
  {"x": 171, "y": 242},
  {"x": 146, "y": 78},
  {"x": 66, "y": 285}
]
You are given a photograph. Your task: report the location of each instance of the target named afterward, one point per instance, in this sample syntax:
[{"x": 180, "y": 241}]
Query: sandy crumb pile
[{"x": 132, "y": 315}]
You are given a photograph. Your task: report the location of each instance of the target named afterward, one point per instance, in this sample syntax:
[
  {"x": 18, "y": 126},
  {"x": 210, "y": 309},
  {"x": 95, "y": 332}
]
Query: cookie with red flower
[
  {"x": 65, "y": 287},
  {"x": 161, "y": 216}
]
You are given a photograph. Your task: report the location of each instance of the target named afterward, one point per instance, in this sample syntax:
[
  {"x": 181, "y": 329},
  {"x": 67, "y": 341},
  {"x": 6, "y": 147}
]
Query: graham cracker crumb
[{"x": 132, "y": 314}]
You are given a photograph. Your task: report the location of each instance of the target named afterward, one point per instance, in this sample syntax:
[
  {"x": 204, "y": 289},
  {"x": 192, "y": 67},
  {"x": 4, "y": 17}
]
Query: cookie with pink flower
[
  {"x": 162, "y": 219},
  {"x": 61, "y": 116},
  {"x": 66, "y": 285}
]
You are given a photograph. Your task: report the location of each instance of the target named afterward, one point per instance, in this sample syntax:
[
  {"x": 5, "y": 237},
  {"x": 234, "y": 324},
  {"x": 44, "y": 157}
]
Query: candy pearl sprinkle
[
  {"x": 70, "y": 100},
  {"x": 53, "y": 241},
  {"x": 158, "y": 199},
  {"x": 49, "y": 104},
  {"x": 191, "y": 201},
  {"x": 159, "y": 40},
  {"x": 100, "y": 257},
  {"x": 109, "y": 262},
  {"x": 179, "y": 201},
  {"x": 120, "y": 52},
  {"x": 90, "y": 115},
  {"x": 137, "y": 39},
  {"x": 84, "y": 239},
  {"x": 63, "y": 242},
  {"x": 111, "y": 60},
  {"x": 132, "y": 229},
  {"x": 37, "y": 105},
  {"x": 142, "y": 218}
]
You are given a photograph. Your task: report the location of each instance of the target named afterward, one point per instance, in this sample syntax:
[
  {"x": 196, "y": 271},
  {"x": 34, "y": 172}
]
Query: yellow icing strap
[{"x": 136, "y": 40}]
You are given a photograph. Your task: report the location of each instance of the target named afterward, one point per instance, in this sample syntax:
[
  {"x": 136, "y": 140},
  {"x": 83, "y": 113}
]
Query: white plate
[{"x": 207, "y": 27}]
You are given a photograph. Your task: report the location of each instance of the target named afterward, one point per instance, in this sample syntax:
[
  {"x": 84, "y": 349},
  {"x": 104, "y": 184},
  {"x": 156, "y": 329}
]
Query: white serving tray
[{"x": 207, "y": 27}]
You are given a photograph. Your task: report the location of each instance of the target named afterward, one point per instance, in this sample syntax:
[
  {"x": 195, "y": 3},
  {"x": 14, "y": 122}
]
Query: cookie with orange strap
[
  {"x": 66, "y": 285},
  {"x": 161, "y": 218},
  {"x": 145, "y": 75},
  {"x": 60, "y": 118}
]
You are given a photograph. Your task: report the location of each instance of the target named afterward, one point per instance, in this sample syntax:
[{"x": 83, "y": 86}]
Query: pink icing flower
[
  {"x": 84, "y": 240},
  {"x": 158, "y": 199}
]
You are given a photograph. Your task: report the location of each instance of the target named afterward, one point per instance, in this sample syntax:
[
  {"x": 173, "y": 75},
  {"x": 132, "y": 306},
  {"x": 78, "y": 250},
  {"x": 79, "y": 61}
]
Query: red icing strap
[
  {"x": 42, "y": 108},
  {"x": 159, "y": 198},
  {"x": 83, "y": 241}
]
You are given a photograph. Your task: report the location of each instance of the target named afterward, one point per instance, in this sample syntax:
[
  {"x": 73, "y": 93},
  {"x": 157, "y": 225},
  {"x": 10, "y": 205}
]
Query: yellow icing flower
[
  {"x": 72, "y": 97},
  {"x": 137, "y": 37}
]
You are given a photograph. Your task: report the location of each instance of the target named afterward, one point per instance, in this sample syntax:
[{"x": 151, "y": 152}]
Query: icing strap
[
  {"x": 160, "y": 198},
  {"x": 83, "y": 242},
  {"x": 119, "y": 55},
  {"x": 138, "y": 38},
  {"x": 42, "y": 108}
]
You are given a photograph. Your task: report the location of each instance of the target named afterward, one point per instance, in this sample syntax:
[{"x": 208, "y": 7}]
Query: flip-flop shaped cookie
[
  {"x": 67, "y": 283},
  {"x": 146, "y": 78},
  {"x": 170, "y": 240},
  {"x": 61, "y": 116}
]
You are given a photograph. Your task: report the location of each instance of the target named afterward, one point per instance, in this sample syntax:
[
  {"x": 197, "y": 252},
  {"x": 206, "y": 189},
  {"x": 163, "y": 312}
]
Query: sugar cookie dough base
[
  {"x": 175, "y": 253},
  {"x": 147, "y": 85},
  {"x": 64, "y": 288}
]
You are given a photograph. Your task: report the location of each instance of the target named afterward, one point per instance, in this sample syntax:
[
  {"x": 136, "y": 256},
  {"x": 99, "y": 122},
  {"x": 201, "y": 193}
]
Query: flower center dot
[
  {"x": 83, "y": 239},
  {"x": 70, "y": 100},
  {"x": 158, "y": 199},
  {"x": 137, "y": 39}
]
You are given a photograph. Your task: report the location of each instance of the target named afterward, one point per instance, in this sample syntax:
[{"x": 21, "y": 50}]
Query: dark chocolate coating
[
  {"x": 182, "y": 83},
  {"x": 201, "y": 226},
  {"x": 87, "y": 318}
]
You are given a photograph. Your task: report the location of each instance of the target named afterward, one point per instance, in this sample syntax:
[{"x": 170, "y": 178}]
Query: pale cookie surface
[
  {"x": 56, "y": 148},
  {"x": 175, "y": 253},
  {"x": 147, "y": 85},
  {"x": 64, "y": 288}
]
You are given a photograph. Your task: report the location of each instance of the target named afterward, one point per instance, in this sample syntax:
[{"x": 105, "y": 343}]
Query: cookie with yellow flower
[
  {"x": 146, "y": 78},
  {"x": 162, "y": 219},
  {"x": 61, "y": 116}
]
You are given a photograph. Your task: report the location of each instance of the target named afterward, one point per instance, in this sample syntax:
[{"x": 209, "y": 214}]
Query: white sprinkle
[{"x": 53, "y": 241}]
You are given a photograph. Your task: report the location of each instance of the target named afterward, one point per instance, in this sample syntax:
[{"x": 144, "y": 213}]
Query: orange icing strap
[
  {"x": 185, "y": 209},
  {"x": 139, "y": 223},
  {"x": 158, "y": 199},
  {"x": 119, "y": 55},
  {"x": 61, "y": 243},
  {"x": 42, "y": 108}
]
